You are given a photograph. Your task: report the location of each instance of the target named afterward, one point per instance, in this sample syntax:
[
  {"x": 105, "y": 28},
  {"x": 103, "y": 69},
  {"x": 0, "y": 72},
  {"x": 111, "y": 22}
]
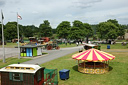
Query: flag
[
  {"x": 2, "y": 15},
  {"x": 19, "y": 17}
]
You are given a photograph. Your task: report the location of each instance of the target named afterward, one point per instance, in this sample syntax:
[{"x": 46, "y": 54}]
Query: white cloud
[{"x": 56, "y": 11}]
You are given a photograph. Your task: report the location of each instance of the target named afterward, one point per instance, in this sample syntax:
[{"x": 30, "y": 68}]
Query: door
[{"x": 29, "y": 52}]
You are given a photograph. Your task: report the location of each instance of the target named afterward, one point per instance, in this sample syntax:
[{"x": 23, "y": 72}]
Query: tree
[
  {"x": 75, "y": 33},
  {"x": 77, "y": 30},
  {"x": 54, "y": 31},
  {"x": 28, "y": 32},
  {"x": 45, "y": 29},
  {"x": 88, "y": 31},
  {"x": 63, "y": 29},
  {"x": 78, "y": 24},
  {"x": 121, "y": 30},
  {"x": 107, "y": 30},
  {"x": 10, "y": 31}
]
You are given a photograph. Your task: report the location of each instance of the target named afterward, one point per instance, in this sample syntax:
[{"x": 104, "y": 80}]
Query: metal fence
[{"x": 50, "y": 77}]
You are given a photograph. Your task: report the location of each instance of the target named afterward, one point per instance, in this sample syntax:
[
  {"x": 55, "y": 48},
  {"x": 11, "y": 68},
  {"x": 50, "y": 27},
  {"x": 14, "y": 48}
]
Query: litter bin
[
  {"x": 64, "y": 74},
  {"x": 108, "y": 46}
]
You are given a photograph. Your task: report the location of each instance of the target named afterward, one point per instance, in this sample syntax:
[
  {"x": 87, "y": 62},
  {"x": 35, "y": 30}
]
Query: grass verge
[
  {"x": 115, "y": 46},
  {"x": 68, "y": 45},
  {"x": 12, "y": 60}
]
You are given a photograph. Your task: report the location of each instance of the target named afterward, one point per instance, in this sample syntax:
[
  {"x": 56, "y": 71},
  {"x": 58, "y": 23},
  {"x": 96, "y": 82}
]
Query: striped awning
[{"x": 93, "y": 55}]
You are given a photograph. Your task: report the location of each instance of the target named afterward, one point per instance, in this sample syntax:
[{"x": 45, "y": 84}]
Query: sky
[{"x": 34, "y": 12}]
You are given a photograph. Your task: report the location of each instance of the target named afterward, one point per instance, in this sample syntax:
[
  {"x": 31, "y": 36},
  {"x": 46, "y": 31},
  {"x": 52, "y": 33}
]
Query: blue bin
[
  {"x": 108, "y": 46},
  {"x": 64, "y": 74}
]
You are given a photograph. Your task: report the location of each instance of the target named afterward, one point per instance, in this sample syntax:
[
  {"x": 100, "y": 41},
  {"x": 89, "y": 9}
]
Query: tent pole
[
  {"x": 104, "y": 65},
  {"x": 78, "y": 63},
  {"x": 94, "y": 65},
  {"x": 84, "y": 64}
]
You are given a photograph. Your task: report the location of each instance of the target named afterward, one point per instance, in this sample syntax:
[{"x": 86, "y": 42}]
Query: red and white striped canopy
[{"x": 93, "y": 55}]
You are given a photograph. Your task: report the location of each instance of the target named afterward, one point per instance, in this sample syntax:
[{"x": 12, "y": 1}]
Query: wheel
[
  {"x": 57, "y": 47},
  {"x": 49, "y": 47}
]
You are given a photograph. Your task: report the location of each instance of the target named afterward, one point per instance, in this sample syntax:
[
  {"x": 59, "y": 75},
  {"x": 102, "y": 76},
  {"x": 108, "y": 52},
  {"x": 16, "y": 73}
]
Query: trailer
[{"x": 22, "y": 74}]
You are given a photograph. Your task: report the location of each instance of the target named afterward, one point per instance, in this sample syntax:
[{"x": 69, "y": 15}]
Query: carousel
[{"x": 93, "y": 61}]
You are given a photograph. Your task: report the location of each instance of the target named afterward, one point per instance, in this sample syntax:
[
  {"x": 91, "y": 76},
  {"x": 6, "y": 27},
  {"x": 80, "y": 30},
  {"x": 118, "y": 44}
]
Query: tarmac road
[
  {"x": 52, "y": 54},
  {"x": 9, "y": 52}
]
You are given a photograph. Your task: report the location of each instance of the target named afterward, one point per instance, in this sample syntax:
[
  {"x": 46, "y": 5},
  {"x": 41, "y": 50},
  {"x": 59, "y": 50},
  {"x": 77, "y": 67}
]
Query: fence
[{"x": 50, "y": 77}]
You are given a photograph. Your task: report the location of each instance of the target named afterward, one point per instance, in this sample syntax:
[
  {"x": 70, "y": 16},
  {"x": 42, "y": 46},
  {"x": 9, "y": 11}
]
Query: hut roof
[
  {"x": 21, "y": 68},
  {"x": 31, "y": 46}
]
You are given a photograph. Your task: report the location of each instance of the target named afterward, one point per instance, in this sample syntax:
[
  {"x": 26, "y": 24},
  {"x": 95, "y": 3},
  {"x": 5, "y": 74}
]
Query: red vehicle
[
  {"x": 32, "y": 39},
  {"x": 45, "y": 39}
]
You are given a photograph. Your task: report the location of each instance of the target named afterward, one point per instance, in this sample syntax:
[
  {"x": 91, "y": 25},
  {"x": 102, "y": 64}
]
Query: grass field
[
  {"x": 118, "y": 74},
  {"x": 115, "y": 46},
  {"x": 12, "y": 61},
  {"x": 68, "y": 45},
  {"x": 10, "y": 45}
]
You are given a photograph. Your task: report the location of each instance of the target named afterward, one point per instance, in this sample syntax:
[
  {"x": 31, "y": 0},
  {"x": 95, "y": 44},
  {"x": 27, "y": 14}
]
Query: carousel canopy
[{"x": 93, "y": 55}]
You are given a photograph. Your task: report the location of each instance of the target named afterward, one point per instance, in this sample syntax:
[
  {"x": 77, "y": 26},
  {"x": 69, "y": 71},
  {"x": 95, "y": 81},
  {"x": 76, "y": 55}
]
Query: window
[
  {"x": 28, "y": 68},
  {"x": 16, "y": 76},
  {"x": 22, "y": 68},
  {"x": 12, "y": 67},
  {"x": 23, "y": 50},
  {"x": 17, "y": 67}
]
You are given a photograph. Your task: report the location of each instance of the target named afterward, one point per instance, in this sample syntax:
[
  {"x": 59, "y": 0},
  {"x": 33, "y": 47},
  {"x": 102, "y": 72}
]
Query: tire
[
  {"x": 57, "y": 47},
  {"x": 49, "y": 47}
]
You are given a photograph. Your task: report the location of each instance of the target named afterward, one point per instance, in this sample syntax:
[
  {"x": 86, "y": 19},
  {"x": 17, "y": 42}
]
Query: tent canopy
[{"x": 93, "y": 55}]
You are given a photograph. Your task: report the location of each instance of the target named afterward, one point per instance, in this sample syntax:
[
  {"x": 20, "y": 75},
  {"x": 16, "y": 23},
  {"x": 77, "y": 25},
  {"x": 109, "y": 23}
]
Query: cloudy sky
[{"x": 55, "y": 11}]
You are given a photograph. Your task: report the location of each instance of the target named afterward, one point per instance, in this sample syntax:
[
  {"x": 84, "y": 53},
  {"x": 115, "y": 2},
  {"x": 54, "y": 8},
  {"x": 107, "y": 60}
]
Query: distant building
[{"x": 126, "y": 36}]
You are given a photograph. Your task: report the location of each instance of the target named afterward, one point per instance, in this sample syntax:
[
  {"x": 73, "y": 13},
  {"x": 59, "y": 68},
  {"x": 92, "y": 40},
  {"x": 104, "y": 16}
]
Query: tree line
[{"x": 109, "y": 29}]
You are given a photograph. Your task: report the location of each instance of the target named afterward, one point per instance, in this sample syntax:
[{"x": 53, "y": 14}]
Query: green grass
[
  {"x": 68, "y": 45},
  {"x": 10, "y": 45},
  {"x": 12, "y": 60},
  {"x": 118, "y": 74},
  {"x": 115, "y": 46}
]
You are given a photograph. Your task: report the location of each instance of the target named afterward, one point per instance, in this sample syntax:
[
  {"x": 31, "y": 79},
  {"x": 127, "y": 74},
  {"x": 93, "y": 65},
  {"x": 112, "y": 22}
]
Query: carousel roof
[{"x": 93, "y": 55}]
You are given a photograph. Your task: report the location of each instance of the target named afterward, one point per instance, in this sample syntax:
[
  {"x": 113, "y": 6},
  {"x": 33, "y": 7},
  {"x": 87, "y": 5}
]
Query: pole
[
  {"x": 84, "y": 64},
  {"x": 18, "y": 38},
  {"x": 3, "y": 38}
]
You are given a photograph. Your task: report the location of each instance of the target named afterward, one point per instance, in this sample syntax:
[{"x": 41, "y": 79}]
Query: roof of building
[
  {"x": 91, "y": 45},
  {"x": 31, "y": 46},
  {"x": 21, "y": 68}
]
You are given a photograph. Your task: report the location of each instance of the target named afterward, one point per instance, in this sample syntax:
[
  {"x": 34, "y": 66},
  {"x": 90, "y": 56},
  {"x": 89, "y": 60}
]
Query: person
[
  {"x": 69, "y": 42},
  {"x": 76, "y": 43},
  {"x": 89, "y": 42},
  {"x": 66, "y": 42}
]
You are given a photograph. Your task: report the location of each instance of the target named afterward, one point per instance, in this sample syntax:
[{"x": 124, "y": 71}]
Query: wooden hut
[
  {"x": 30, "y": 50},
  {"x": 22, "y": 74}
]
